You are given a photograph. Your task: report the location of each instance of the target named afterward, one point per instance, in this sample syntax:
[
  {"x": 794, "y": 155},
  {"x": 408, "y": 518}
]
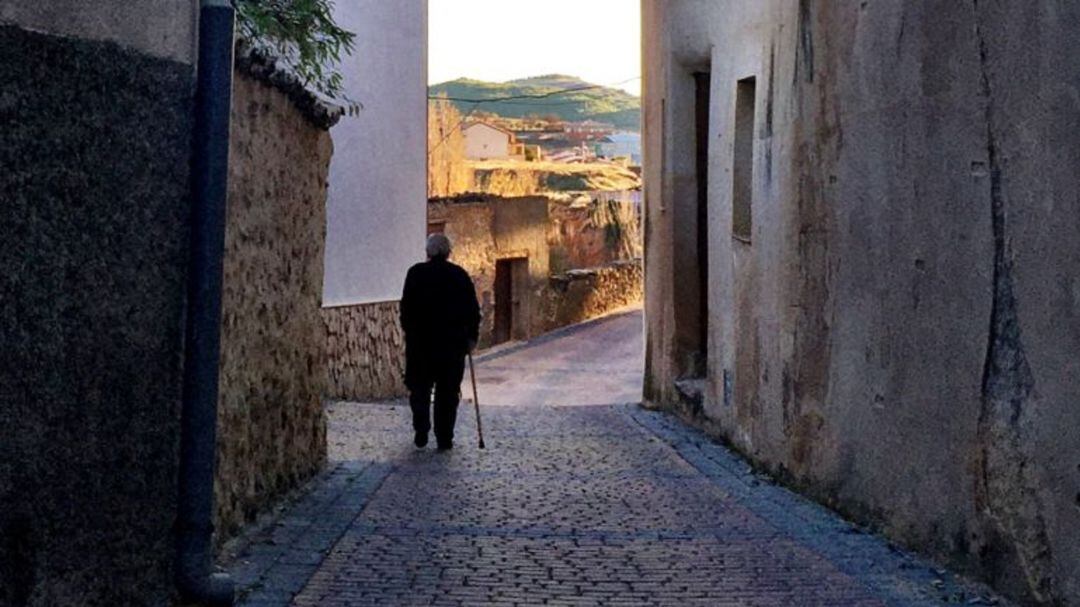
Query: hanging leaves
[{"x": 304, "y": 35}]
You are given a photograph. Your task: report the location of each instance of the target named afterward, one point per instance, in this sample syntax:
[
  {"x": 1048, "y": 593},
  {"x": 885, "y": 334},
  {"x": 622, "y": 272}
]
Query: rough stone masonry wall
[
  {"x": 94, "y": 205},
  {"x": 470, "y": 228},
  {"x": 491, "y": 228},
  {"x": 579, "y": 295},
  {"x": 366, "y": 350},
  {"x": 899, "y": 339},
  {"x": 590, "y": 235},
  {"x": 271, "y": 433}
]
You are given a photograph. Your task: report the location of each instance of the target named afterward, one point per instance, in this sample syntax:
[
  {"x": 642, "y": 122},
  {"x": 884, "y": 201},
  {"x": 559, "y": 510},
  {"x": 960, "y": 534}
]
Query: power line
[
  {"x": 533, "y": 96},
  {"x": 533, "y": 103},
  {"x": 453, "y": 130}
]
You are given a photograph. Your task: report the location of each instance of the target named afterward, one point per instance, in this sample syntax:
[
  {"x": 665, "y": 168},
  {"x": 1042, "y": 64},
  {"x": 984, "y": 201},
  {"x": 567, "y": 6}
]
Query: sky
[{"x": 499, "y": 40}]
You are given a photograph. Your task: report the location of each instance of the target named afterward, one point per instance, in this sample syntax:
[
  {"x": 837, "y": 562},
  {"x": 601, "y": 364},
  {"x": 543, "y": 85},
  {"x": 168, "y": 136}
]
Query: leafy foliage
[{"x": 304, "y": 35}]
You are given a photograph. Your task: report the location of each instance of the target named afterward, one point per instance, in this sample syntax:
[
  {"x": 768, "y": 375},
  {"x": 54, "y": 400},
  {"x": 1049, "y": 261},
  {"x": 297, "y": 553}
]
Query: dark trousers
[{"x": 445, "y": 378}]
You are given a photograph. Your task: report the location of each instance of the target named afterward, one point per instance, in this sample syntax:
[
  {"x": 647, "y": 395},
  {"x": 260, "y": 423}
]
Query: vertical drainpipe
[{"x": 195, "y": 579}]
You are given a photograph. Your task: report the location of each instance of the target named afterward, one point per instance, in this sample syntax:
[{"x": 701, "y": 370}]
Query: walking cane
[{"x": 476, "y": 401}]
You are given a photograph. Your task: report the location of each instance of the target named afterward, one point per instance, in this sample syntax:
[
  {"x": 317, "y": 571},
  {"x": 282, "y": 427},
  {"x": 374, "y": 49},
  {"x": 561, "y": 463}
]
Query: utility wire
[
  {"x": 534, "y": 96},
  {"x": 533, "y": 103},
  {"x": 453, "y": 130}
]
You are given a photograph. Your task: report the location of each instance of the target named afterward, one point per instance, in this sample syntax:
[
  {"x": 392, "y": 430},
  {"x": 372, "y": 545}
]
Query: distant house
[{"x": 484, "y": 141}]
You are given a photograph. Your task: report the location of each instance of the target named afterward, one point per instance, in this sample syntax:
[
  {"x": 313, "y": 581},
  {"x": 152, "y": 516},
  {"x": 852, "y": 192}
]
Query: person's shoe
[
  {"x": 421, "y": 440},
  {"x": 446, "y": 445}
]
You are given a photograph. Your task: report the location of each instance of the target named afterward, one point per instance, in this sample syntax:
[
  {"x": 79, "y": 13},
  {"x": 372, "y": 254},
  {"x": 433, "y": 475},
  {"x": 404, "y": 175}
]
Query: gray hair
[{"x": 438, "y": 245}]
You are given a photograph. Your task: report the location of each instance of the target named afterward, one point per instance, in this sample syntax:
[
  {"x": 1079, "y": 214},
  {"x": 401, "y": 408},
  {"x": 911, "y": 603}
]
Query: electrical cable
[{"x": 536, "y": 95}]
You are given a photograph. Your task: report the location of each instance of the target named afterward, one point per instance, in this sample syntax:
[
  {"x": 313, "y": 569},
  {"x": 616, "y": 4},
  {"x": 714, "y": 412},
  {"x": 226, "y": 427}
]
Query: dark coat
[{"x": 440, "y": 316}]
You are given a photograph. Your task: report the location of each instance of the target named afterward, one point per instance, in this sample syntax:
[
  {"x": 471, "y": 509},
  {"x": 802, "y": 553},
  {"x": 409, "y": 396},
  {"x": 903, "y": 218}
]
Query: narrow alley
[
  {"x": 581, "y": 498},
  {"x": 774, "y": 302}
]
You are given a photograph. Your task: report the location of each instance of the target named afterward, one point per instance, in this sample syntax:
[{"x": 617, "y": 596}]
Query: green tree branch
[{"x": 304, "y": 35}]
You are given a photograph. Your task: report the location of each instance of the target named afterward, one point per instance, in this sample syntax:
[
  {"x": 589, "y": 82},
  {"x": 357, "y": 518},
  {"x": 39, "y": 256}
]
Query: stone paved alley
[{"x": 581, "y": 498}]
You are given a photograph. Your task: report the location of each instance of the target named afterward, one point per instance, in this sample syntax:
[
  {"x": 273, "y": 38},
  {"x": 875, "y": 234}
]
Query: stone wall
[
  {"x": 366, "y": 352},
  {"x": 896, "y": 336},
  {"x": 592, "y": 233},
  {"x": 94, "y": 217},
  {"x": 485, "y": 229},
  {"x": 271, "y": 432},
  {"x": 579, "y": 295}
]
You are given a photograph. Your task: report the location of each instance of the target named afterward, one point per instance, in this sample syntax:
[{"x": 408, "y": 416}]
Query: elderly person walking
[{"x": 441, "y": 318}]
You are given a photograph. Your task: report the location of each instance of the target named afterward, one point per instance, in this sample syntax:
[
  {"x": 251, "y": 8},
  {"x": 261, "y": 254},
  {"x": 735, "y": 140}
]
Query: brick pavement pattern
[{"x": 569, "y": 505}]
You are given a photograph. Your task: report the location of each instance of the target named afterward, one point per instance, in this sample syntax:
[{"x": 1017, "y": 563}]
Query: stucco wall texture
[
  {"x": 271, "y": 428},
  {"x": 486, "y": 229},
  {"x": 898, "y": 336},
  {"x": 380, "y": 169},
  {"x": 94, "y": 205},
  {"x": 366, "y": 349}
]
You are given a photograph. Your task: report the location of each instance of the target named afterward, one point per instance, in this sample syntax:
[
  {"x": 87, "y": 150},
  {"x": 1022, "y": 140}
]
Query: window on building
[{"x": 743, "y": 170}]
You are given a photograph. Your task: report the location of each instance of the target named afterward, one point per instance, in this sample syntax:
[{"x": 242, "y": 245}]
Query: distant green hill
[{"x": 613, "y": 106}]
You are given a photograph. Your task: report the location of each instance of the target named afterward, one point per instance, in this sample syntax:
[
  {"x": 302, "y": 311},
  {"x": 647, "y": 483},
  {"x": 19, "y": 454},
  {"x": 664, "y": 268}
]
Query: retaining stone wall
[
  {"x": 578, "y": 295},
  {"x": 272, "y": 433},
  {"x": 366, "y": 352}
]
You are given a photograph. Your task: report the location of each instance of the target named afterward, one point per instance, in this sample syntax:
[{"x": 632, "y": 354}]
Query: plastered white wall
[
  {"x": 483, "y": 142},
  {"x": 377, "y": 201}
]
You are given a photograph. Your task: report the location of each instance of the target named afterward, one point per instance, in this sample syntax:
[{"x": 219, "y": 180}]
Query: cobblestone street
[{"x": 581, "y": 498}]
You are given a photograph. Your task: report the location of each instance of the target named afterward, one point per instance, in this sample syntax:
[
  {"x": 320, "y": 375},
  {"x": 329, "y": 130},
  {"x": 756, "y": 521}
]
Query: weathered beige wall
[
  {"x": 380, "y": 168},
  {"x": 366, "y": 351},
  {"x": 895, "y": 339},
  {"x": 489, "y": 228},
  {"x": 493, "y": 228},
  {"x": 592, "y": 234},
  {"x": 271, "y": 433},
  {"x": 579, "y": 295}
]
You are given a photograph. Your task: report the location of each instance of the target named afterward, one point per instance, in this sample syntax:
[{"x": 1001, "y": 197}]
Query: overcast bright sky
[{"x": 498, "y": 40}]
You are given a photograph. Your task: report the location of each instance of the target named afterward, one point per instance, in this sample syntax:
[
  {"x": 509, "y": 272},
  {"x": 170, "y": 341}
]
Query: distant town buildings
[
  {"x": 485, "y": 141},
  {"x": 499, "y": 138},
  {"x": 588, "y": 128}
]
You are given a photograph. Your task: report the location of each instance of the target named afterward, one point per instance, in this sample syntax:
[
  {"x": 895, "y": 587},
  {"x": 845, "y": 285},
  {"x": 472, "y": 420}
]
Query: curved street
[{"x": 581, "y": 498}]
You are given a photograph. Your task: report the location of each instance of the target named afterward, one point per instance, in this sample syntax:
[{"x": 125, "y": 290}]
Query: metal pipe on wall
[{"x": 195, "y": 579}]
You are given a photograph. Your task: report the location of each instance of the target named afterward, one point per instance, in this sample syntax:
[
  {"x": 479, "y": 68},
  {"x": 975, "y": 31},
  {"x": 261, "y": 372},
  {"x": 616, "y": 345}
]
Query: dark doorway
[
  {"x": 702, "y": 84},
  {"x": 690, "y": 268},
  {"x": 510, "y": 278}
]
